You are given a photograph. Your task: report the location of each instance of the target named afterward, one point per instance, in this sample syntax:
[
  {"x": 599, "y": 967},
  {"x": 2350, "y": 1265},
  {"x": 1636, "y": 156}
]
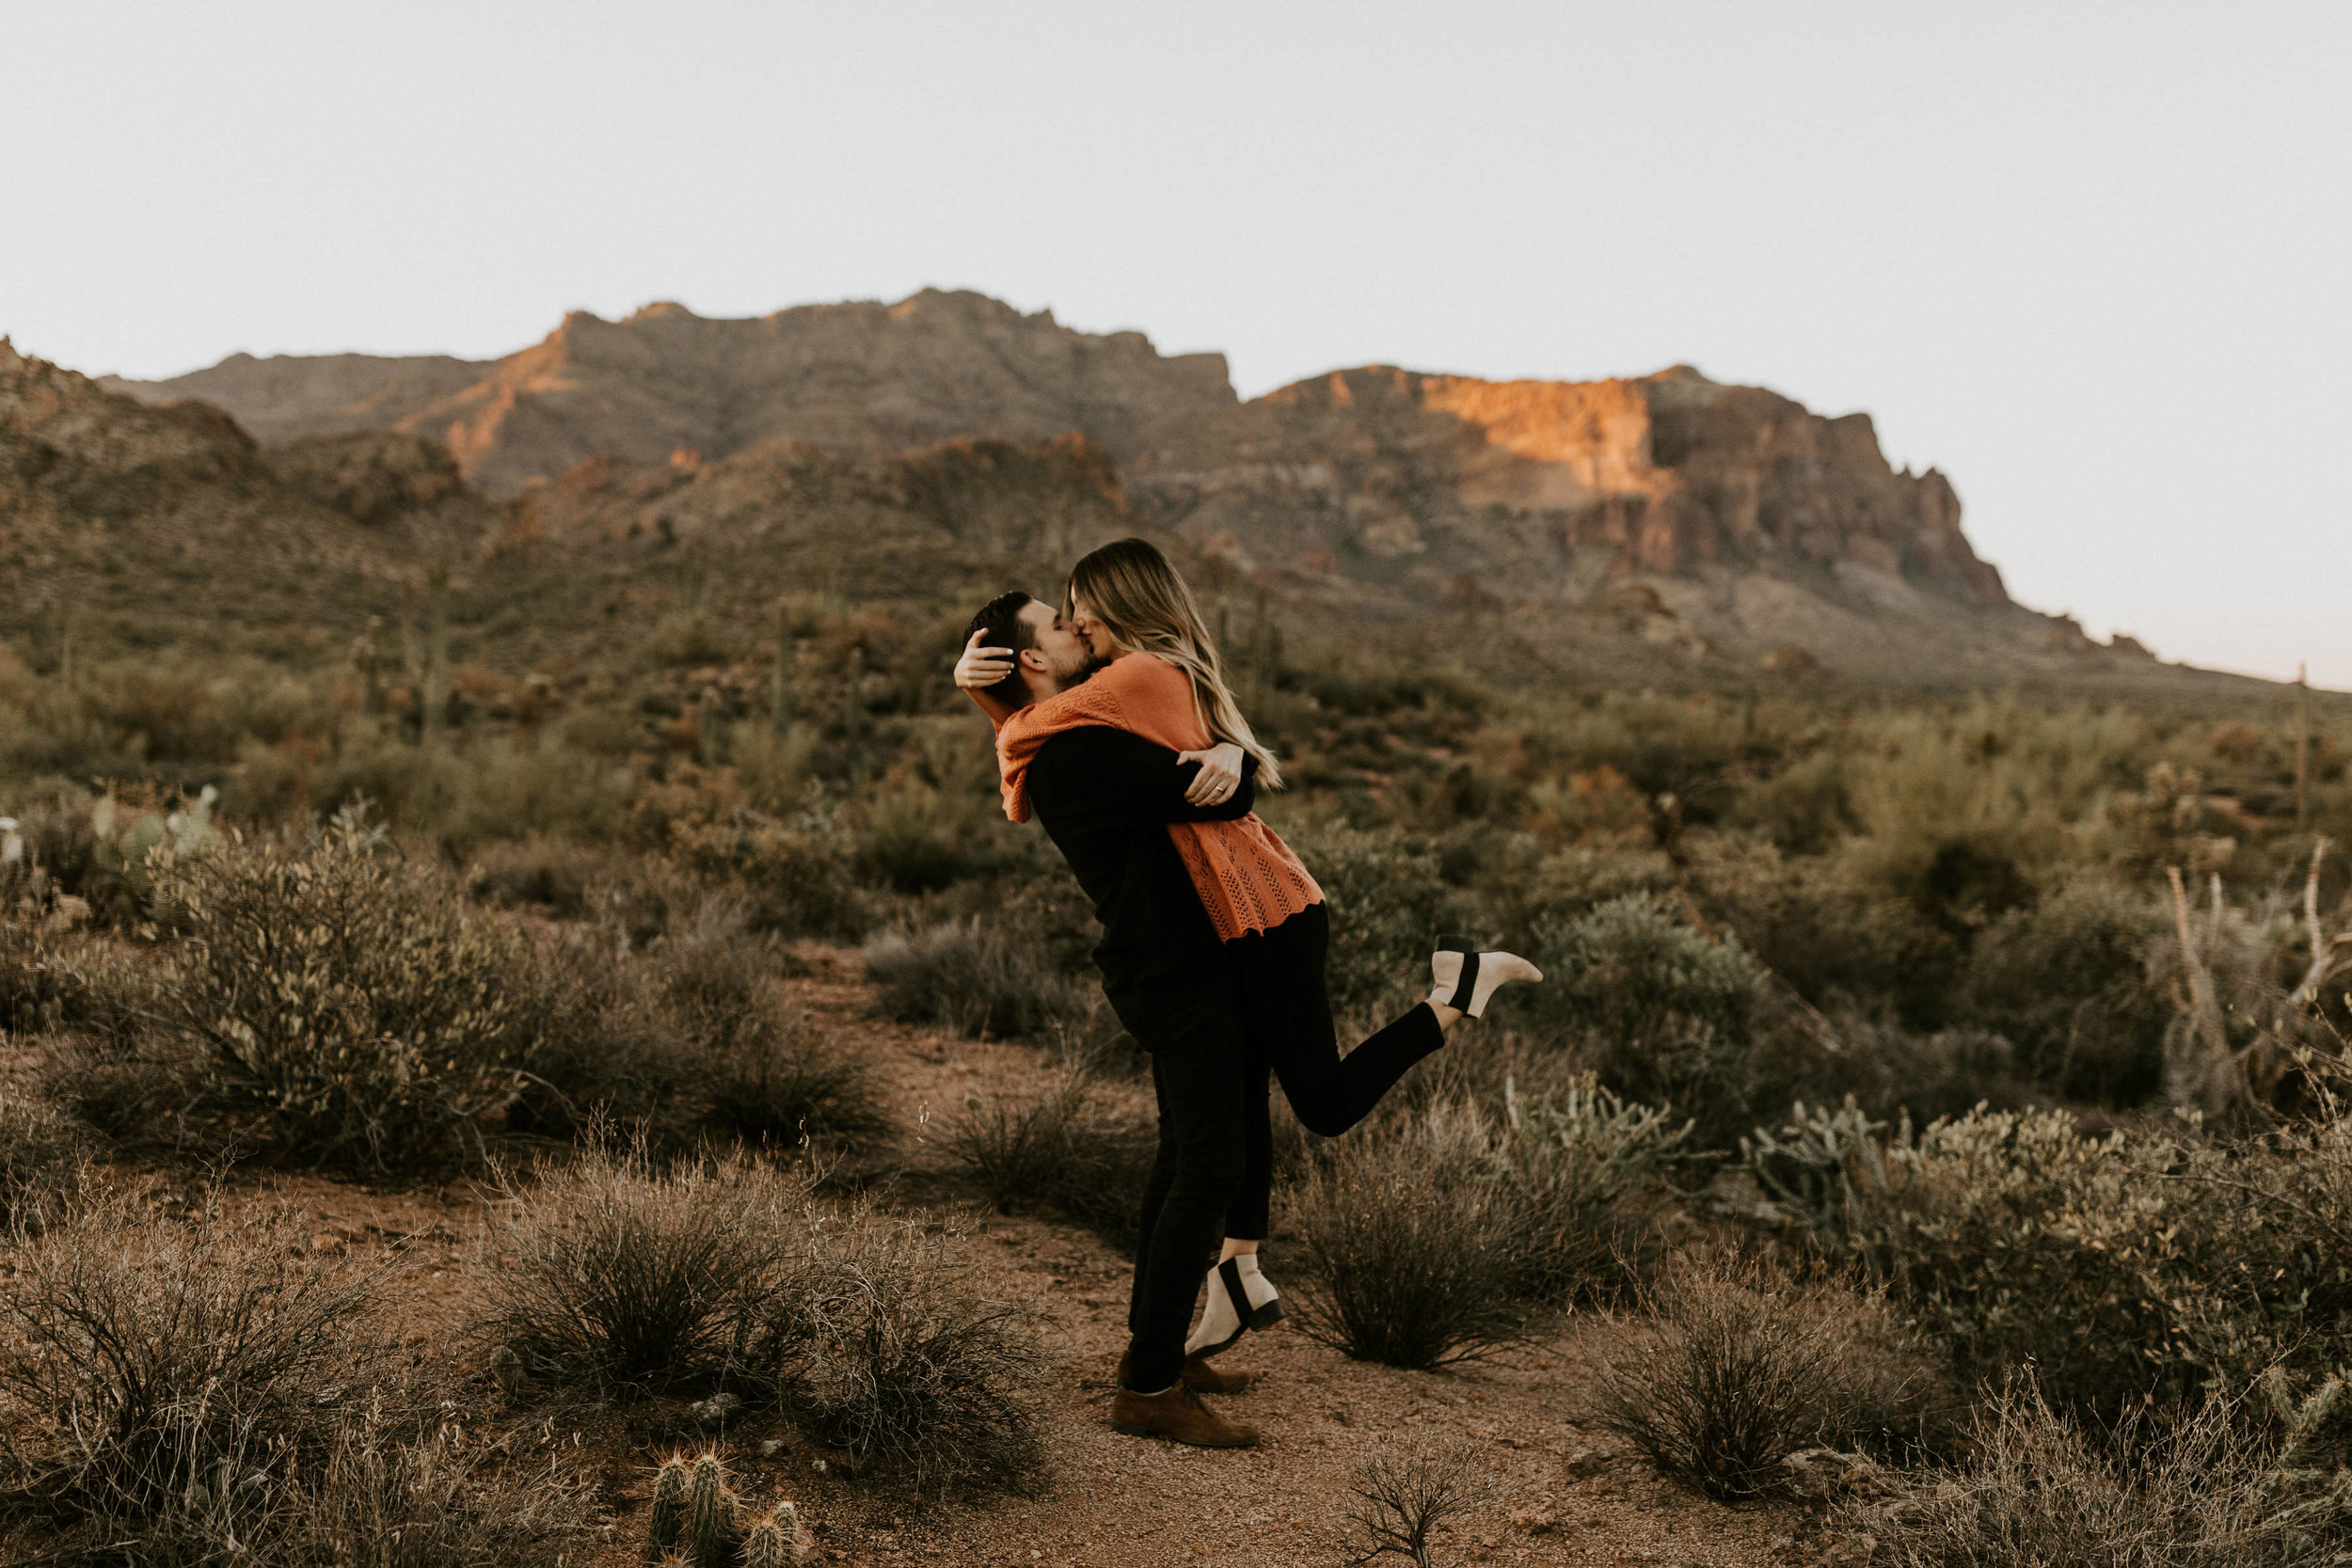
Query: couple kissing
[{"x": 1116, "y": 730}]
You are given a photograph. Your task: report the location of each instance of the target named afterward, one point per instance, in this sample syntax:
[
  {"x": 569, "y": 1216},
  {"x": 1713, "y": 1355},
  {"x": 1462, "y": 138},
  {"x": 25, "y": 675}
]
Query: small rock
[
  {"x": 771, "y": 1448},
  {"x": 715, "y": 1409}
]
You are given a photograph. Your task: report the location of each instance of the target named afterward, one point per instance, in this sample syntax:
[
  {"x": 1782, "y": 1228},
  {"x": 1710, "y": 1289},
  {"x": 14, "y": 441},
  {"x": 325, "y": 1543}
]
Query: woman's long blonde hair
[{"x": 1129, "y": 586}]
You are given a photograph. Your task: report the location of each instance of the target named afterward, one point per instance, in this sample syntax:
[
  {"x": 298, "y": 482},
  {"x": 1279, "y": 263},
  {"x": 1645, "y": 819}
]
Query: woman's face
[{"x": 1083, "y": 621}]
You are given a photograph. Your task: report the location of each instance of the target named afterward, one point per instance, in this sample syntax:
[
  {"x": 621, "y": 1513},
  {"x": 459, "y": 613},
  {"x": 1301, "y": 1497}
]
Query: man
[{"x": 1105, "y": 796}]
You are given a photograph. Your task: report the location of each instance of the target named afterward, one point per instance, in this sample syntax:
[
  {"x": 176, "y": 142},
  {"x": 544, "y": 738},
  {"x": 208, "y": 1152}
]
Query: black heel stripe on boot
[{"x": 1466, "y": 988}]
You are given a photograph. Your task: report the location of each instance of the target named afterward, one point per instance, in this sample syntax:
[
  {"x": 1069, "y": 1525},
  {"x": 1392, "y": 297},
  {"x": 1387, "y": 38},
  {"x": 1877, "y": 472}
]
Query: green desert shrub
[
  {"x": 629, "y": 1274},
  {"x": 2064, "y": 981},
  {"x": 1389, "y": 901},
  {"x": 2010, "y": 1236},
  {"x": 800, "y": 877},
  {"x": 2128, "y": 1269},
  {"x": 150, "y": 1351},
  {"x": 605, "y": 1045},
  {"x": 1410, "y": 1250},
  {"x": 342, "y": 995},
  {"x": 913, "y": 837},
  {"x": 552, "y": 874},
  {"x": 1730, "y": 1365},
  {"x": 1830, "y": 939},
  {"x": 887, "y": 1350},
  {"x": 1668, "y": 1016},
  {"x": 1579, "y": 1164}
]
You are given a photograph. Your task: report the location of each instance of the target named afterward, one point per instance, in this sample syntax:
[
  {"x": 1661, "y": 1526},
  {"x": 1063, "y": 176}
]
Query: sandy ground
[{"x": 1558, "y": 1493}]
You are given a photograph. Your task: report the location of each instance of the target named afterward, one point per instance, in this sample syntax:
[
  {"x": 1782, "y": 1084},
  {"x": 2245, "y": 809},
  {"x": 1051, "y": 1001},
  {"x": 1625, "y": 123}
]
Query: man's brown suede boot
[
  {"x": 1201, "y": 1376},
  {"x": 1176, "y": 1412}
]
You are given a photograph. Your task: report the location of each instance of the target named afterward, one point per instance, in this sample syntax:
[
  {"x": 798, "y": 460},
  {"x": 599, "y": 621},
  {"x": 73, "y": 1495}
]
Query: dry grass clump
[
  {"x": 1058, "y": 1148},
  {"x": 768, "y": 1076},
  {"x": 43, "y": 1155},
  {"x": 1410, "y": 1249},
  {"x": 886, "y": 1353},
  {"x": 342, "y": 999},
  {"x": 390, "y": 1492},
  {"x": 2213, "y": 1492},
  {"x": 633, "y": 1275},
  {"x": 605, "y": 1045},
  {"x": 973, "y": 979},
  {"x": 552, "y": 874},
  {"x": 1734, "y": 1364},
  {"x": 146, "y": 1353}
]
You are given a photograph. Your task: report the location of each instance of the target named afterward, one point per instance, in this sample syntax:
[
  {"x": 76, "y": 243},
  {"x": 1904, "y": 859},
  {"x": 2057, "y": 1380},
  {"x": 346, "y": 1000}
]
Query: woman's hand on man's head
[
  {"x": 1219, "y": 775},
  {"x": 979, "y": 668}
]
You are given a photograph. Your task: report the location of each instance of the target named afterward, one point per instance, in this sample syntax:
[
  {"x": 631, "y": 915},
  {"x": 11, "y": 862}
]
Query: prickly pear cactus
[
  {"x": 711, "y": 1510},
  {"x": 669, "y": 1511}
]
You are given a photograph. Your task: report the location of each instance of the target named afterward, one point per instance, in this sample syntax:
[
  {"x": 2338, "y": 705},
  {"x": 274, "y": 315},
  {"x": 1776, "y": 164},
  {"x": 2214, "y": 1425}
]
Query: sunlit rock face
[{"x": 1551, "y": 488}]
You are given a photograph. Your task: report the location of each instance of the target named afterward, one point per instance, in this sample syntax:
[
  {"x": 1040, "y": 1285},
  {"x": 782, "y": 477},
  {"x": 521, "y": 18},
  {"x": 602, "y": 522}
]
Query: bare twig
[
  {"x": 2211, "y": 1087},
  {"x": 2323, "y": 948},
  {"x": 1402, "y": 1497}
]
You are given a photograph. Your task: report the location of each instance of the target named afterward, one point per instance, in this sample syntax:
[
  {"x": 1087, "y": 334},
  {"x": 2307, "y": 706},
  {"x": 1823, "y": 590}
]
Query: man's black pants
[{"x": 1265, "y": 1009}]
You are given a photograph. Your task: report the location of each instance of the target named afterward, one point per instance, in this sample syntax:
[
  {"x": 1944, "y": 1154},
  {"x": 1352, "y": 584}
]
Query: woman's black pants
[{"x": 1267, "y": 1011}]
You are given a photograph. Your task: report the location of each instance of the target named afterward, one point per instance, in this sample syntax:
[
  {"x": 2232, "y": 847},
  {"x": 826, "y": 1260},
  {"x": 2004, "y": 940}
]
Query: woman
[{"x": 1160, "y": 677}]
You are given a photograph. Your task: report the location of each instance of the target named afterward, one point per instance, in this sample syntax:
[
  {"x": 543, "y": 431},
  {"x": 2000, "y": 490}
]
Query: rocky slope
[
  {"x": 134, "y": 524},
  {"x": 861, "y": 377}
]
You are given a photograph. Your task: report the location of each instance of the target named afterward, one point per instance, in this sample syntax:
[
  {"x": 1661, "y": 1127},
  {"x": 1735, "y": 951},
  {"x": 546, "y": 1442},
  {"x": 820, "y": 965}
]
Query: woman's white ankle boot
[{"x": 1467, "y": 978}]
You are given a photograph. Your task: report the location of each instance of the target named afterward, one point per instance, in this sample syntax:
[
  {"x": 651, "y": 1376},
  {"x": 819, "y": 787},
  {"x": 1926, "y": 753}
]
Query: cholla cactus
[
  {"x": 774, "y": 1541},
  {"x": 669, "y": 1511},
  {"x": 710, "y": 1514}
]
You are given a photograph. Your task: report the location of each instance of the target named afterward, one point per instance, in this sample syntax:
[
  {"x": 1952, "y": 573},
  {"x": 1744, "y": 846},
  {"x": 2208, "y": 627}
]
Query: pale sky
[{"x": 2094, "y": 262}]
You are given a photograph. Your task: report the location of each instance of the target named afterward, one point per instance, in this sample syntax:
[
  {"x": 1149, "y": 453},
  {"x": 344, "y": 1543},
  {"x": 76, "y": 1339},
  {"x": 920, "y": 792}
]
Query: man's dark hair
[{"x": 1001, "y": 618}]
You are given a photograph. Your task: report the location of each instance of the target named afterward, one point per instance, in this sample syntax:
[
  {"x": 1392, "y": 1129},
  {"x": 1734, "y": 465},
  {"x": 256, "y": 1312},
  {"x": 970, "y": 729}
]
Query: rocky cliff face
[
  {"x": 1551, "y": 490},
  {"x": 862, "y": 378}
]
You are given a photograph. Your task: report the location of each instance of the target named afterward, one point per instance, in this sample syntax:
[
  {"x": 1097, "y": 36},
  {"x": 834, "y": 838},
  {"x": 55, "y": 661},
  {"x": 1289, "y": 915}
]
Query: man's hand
[
  {"x": 1219, "y": 775},
  {"x": 980, "y": 668}
]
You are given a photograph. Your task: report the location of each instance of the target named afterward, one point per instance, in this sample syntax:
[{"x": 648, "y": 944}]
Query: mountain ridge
[{"x": 1725, "y": 523}]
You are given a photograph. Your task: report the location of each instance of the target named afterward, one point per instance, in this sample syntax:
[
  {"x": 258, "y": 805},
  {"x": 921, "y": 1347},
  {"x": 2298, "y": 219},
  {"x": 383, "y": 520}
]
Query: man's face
[{"x": 1056, "y": 652}]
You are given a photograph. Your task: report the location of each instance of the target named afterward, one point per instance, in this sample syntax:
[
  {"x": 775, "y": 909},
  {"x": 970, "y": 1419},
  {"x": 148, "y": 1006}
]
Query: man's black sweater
[{"x": 1105, "y": 798}]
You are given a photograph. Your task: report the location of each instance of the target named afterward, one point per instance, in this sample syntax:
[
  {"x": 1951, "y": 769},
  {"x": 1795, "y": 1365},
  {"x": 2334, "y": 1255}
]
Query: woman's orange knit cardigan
[{"x": 1247, "y": 878}]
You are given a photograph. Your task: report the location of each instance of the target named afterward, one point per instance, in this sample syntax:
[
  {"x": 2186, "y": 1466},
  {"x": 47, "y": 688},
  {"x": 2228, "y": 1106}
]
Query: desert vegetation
[{"x": 1950, "y": 1084}]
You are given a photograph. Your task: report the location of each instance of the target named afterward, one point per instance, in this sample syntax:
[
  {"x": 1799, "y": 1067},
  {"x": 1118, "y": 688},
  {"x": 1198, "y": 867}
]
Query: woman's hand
[
  {"x": 980, "y": 668},
  {"x": 1219, "y": 775}
]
